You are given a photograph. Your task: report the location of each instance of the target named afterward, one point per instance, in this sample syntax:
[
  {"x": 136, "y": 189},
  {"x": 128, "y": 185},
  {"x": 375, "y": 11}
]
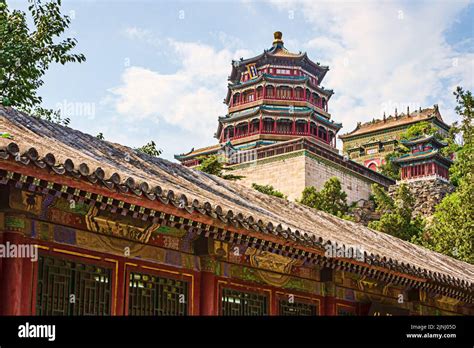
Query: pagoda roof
[
  {"x": 413, "y": 157},
  {"x": 424, "y": 139},
  {"x": 199, "y": 152},
  {"x": 278, "y": 50},
  {"x": 396, "y": 121},
  {"x": 61, "y": 155},
  {"x": 283, "y": 78},
  {"x": 282, "y": 109}
]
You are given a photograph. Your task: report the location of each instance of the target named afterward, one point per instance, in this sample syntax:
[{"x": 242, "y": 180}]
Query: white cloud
[
  {"x": 190, "y": 98},
  {"x": 385, "y": 54}
]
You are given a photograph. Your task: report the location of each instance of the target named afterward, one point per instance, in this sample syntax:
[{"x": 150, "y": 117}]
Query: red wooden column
[
  {"x": 329, "y": 305},
  {"x": 260, "y": 125},
  {"x": 308, "y": 129},
  {"x": 11, "y": 278},
  {"x": 274, "y": 125},
  {"x": 121, "y": 284},
  {"x": 293, "y": 126},
  {"x": 208, "y": 305},
  {"x": 29, "y": 268}
]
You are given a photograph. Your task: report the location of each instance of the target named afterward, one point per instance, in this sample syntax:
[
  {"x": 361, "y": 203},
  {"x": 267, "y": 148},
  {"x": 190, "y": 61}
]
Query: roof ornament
[
  {"x": 408, "y": 111},
  {"x": 396, "y": 113},
  {"x": 384, "y": 118},
  {"x": 277, "y": 35}
]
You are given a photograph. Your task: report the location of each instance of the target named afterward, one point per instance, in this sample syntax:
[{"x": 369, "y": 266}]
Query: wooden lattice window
[
  {"x": 234, "y": 303},
  {"x": 67, "y": 287},
  {"x": 297, "y": 308},
  {"x": 153, "y": 295}
]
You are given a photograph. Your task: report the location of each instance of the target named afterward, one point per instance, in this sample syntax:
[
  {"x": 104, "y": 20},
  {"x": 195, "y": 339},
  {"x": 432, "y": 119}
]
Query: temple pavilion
[
  {"x": 278, "y": 130},
  {"x": 125, "y": 233}
]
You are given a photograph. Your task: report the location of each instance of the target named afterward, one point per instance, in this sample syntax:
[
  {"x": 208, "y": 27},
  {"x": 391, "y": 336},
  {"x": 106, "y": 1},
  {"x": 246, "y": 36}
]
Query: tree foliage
[
  {"x": 418, "y": 130},
  {"x": 268, "y": 190},
  {"x": 214, "y": 164},
  {"x": 331, "y": 199},
  {"x": 452, "y": 229},
  {"x": 389, "y": 168},
  {"x": 26, "y": 54},
  {"x": 149, "y": 149},
  {"x": 396, "y": 213}
]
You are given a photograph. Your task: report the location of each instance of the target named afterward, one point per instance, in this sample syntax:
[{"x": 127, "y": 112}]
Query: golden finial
[{"x": 277, "y": 35}]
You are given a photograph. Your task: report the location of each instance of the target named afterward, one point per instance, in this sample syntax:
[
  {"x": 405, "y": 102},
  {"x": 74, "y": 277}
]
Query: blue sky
[{"x": 157, "y": 70}]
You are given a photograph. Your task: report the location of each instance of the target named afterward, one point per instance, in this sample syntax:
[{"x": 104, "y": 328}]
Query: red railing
[
  {"x": 278, "y": 132},
  {"x": 318, "y": 104}
]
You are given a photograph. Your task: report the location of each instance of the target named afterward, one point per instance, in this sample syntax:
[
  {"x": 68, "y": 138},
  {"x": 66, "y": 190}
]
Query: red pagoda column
[
  {"x": 11, "y": 278},
  {"x": 208, "y": 305},
  {"x": 260, "y": 125},
  {"x": 329, "y": 305},
  {"x": 308, "y": 129},
  {"x": 274, "y": 125}
]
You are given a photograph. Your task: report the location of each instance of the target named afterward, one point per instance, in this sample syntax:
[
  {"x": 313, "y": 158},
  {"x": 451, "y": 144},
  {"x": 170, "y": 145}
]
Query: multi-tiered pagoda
[
  {"x": 277, "y": 96},
  {"x": 278, "y": 128},
  {"x": 273, "y": 97}
]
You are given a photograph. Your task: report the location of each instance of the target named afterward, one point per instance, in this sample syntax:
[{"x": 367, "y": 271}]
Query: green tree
[
  {"x": 331, "y": 199},
  {"x": 396, "y": 213},
  {"x": 389, "y": 168},
  {"x": 149, "y": 149},
  {"x": 419, "y": 129},
  {"x": 26, "y": 54},
  {"x": 268, "y": 190},
  {"x": 214, "y": 164},
  {"x": 452, "y": 229}
]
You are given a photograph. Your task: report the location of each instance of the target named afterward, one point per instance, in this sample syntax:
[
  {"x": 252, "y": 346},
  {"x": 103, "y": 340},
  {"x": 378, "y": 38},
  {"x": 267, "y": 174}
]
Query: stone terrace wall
[
  {"x": 285, "y": 173},
  {"x": 290, "y": 173},
  {"x": 427, "y": 194}
]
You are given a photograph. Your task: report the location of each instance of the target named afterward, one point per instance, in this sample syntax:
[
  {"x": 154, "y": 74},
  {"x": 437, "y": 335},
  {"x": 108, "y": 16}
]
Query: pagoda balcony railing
[
  {"x": 278, "y": 132},
  {"x": 312, "y": 101}
]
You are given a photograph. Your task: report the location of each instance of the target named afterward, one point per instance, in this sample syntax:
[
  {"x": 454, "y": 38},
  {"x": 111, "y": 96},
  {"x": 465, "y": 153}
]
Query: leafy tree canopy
[
  {"x": 214, "y": 164},
  {"x": 419, "y": 129},
  {"x": 268, "y": 190},
  {"x": 26, "y": 54},
  {"x": 149, "y": 149},
  {"x": 396, "y": 214},
  {"x": 331, "y": 199}
]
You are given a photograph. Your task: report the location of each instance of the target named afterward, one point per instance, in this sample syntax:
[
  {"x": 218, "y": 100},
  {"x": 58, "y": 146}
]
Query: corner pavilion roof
[
  {"x": 64, "y": 151},
  {"x": 392, "y": 121}
]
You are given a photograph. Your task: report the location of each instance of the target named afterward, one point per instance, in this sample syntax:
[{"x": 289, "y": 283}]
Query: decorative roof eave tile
[{"x": 215, "y": 197}]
